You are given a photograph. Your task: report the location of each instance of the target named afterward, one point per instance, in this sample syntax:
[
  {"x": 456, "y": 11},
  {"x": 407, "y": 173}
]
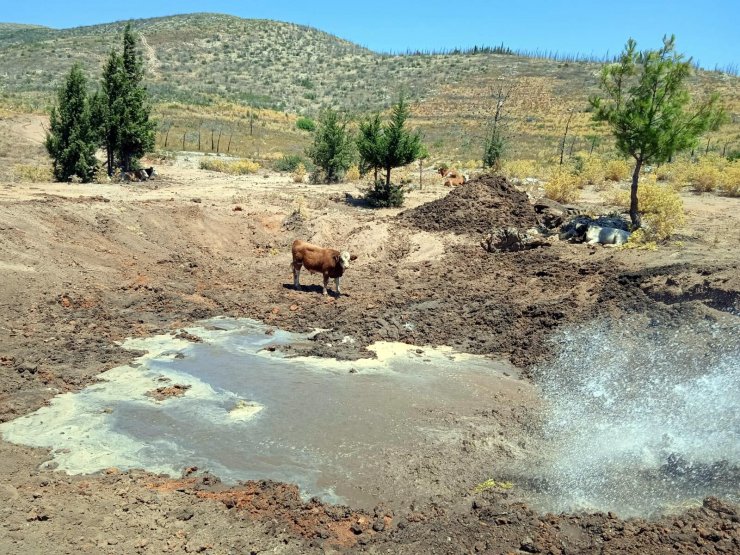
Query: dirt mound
[{"x": 474, "y": 208}]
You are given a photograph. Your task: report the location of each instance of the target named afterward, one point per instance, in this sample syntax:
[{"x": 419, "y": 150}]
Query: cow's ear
[
  {"x": 353, "y": 257},
  {"x": 336, "y": 258}
]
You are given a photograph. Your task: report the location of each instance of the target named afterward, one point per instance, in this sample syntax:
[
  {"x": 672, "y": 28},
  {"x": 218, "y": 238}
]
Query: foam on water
[{"x": 641, "y": 422}]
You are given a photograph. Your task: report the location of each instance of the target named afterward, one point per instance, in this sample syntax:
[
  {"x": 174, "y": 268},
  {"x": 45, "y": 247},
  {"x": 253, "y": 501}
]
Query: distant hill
[{"x": 206, "y": 59}]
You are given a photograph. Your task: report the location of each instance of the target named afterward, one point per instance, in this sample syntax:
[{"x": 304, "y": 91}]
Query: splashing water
[{"x": 641, "y": 420}]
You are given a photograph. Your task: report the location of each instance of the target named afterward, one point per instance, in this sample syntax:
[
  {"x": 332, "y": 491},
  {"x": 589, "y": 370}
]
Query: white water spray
[{"x": 641, "y": 419}]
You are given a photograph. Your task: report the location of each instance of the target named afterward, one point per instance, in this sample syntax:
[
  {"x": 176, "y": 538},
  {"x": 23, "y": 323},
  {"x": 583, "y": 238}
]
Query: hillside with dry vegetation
[{"x": 247, "y": 80}]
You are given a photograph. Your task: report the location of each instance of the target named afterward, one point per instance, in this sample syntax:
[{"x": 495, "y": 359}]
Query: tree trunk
[
  {"x": 376, "y": 174},
  {"x": 565, "y": 135},
  {"x": 388, "y": 175},
  {"x": 634, "y": 213},
  {"x": 109, "y": 156}
]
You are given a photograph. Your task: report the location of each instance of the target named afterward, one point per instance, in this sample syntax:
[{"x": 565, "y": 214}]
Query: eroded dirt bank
[{"x": 85, "y": 266}]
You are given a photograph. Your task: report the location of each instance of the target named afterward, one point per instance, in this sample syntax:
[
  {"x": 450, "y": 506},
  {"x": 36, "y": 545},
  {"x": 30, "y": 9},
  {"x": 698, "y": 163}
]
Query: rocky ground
[{"x": 84, "y": 266}]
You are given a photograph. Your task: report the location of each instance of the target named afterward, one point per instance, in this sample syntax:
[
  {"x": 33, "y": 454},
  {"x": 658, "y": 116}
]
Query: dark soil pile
[{"x": 478, "y": 206}]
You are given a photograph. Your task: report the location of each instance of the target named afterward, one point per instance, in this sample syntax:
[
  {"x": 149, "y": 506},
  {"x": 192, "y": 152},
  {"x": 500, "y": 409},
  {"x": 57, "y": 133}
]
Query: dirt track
[{"x": 85, "y": 266}]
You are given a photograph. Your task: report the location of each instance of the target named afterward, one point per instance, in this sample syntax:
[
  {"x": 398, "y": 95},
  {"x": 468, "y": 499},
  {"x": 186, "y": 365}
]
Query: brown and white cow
[
  {"x": 329, "y": 262},
  {"x": 455, "y": 179}
]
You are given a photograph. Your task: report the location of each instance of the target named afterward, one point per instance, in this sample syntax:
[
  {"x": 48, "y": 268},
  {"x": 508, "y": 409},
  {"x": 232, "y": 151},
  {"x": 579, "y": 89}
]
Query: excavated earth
[{"x": 85, "y": 266}]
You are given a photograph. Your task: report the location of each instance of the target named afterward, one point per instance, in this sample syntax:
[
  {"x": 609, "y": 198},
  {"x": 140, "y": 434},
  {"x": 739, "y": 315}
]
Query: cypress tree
[
  {"x": 131, "y": 110},
  {"x": 107, "y": 109},
  {"x": 71, "y": 140}
]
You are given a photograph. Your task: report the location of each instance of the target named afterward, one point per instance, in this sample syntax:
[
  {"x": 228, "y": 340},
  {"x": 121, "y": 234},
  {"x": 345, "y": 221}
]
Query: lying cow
[
  {"x": 456, "y": 179},
  {"x": 330, "y": 262},
  {"x": 606, "y": 235}
]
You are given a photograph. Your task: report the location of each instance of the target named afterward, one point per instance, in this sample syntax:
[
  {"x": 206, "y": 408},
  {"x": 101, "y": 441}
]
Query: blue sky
[{"x": 706, "y": 30}]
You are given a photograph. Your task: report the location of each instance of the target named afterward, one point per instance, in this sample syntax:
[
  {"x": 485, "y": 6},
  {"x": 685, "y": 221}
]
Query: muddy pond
[{"x": 630, "y": 418}]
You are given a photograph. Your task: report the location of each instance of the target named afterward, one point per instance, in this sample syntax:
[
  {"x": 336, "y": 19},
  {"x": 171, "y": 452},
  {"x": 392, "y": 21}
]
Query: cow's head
[{"x": 345, "y": 257}]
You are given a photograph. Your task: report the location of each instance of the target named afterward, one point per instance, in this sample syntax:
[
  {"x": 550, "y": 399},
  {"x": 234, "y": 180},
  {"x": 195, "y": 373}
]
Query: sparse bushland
[
  {"x": 194, "y": 62},
  {"x": 645, "y": 103},
  {"x": 234, "y": 167}
]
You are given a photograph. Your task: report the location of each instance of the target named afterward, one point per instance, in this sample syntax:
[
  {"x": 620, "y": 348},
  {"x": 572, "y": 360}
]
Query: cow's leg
[
  {"x": 296, "y": 277},
  {"x": 336, "y": 282},
  {"x": 326, "y": 283}
]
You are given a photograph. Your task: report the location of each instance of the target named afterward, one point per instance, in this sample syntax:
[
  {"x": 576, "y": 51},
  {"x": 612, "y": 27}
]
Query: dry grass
[
  {"x": 617, "y": 170},
  {"x": 563, "y": 186},
  {"x": 236, "y": 167},
  {"x": 353, "y": 174},
  {"x": 521, "y": 169},
  {"x": 730, "y": 185},
  {"x": 299, "y": 174},
  {"x": 32, "y": 173}
]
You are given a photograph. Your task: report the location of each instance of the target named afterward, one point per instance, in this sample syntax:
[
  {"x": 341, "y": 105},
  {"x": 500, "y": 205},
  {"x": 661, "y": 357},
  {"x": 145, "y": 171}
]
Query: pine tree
[
  {"x": 397, "y": 146},
  {"x": 131, "y": 110},
  {"x": 645, "y": 104},
  {"x": 71, "y": 140},
  {"x": 332, "y": 149}
]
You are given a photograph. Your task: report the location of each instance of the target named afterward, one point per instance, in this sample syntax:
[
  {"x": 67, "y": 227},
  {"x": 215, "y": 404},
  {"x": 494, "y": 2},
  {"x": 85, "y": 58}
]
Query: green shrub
[
  {"x": 307, "y": 124},
  {"x": 381, "y": 195},
  {"x": 289, "y": 163}
]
